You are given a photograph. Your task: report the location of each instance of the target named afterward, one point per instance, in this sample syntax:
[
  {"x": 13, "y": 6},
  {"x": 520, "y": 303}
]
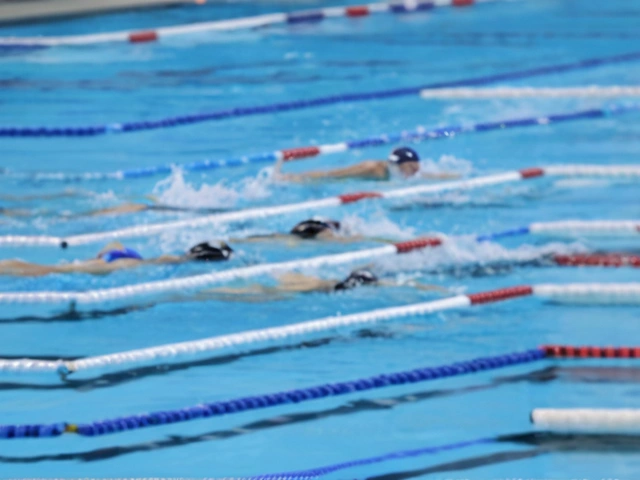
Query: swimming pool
[{"x": 110, "y": 83}]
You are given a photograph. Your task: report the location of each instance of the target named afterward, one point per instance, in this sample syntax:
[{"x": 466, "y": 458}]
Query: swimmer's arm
[
  {"x": 98, "y": 266},
  {"x": 276, "y": 237},
  {"x": 20, "y": 268},
  {"x": 118, "y": 210},
  {"x": 440, "y": 175},
  {"x": 428, "y": 287},
  {"x": 417, "y": 285},
  {"x": 368, "y": 170},
  {"x": 166, "y": 260},
  {"x": 296, "y": 282}
]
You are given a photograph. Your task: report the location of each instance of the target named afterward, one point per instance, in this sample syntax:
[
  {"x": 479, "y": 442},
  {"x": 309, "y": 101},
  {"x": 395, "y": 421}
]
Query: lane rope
[
  {"x": 168, "y": 122},
  {"x": 593, "y": 91},
  {"x": 418, "y": 134},
  {"x": 206, "y": 410},
  {"x": 258, "y": 21},
  {"x": 580, "y": 293},
  {"x": 614, "y": 171}
]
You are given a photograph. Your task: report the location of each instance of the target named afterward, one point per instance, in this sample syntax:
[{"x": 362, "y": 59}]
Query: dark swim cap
[
  {"x": 312, "y": 227},
  {"x": 205, "y": 252},
  {"x": 403, "y": 155},
  {"x": 355, "y": 279}
]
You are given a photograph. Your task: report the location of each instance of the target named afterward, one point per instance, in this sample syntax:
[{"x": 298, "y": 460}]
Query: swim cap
[
  {"x": 205, "y": 252},
  {"x": 113, "y": 255},
  {"x": 355, "y": 279},
  {"x": 312, "y": 227},
  {"x": 403, "y": 155}
]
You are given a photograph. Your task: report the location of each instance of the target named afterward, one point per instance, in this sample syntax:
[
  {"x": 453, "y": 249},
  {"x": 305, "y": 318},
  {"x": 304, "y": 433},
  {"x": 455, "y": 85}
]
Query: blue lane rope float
[
  {"x": 398, "y": 455},
  {"x": 269, "y": 400},
  {"x": 127, "y": 127},
  {"x": 418, "y": 134}
]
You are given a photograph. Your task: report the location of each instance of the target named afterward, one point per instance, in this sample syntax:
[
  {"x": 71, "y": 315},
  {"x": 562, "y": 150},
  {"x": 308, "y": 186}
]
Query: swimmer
[
  {"x": 403, "y": 162},
  {"x": 296, "y": 283},
  {"x": 122, "y": 209},
  {"x": 116, "y": 256},
  {"x": 14, "y": 212},
  {"x": 314, "y": 228},
  {"x": 127, "y": 208}
]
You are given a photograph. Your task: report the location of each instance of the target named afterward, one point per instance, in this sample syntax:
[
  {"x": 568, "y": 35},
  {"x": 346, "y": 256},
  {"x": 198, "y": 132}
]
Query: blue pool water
[{"x": 122, "y": 82}]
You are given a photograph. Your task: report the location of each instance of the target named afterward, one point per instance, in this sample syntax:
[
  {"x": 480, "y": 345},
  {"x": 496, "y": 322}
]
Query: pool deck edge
[{"x": 38, "y": 10}]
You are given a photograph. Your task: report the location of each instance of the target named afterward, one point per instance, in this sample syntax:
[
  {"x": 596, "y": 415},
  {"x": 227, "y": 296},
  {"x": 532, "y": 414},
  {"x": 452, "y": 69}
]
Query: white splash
[
  {"x": 581, "y": 183},
  {"x": 376, "y": 226},
  {"x": 446, "y": 164},
  {"x": 176, "y": 191},
  {"x": 466, "y": 251}
]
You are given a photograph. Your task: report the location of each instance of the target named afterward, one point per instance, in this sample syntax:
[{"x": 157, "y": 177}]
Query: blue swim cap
[
  {"x": 403, "y": 155},
  {"x": 113, "y": 255}
]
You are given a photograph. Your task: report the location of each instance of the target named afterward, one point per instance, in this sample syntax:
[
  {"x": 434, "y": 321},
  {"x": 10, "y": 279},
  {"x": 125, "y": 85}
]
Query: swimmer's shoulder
[{"x": 375, "y": 169}]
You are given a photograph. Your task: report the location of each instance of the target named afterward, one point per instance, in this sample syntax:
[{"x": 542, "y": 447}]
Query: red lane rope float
[
  {"x": 532, "y": 172},
  {"x": 300, "y": 152},
  {"x": 410, "y": 245},
  {"x": 238, "y": 405},
  {"x": 598, "y": 260},
  {"x": 501, "y": 294},
  {"x": 357, "y": 11},
  {"x": 568, "y": 351},
  {"x": 141, "y": 37}
]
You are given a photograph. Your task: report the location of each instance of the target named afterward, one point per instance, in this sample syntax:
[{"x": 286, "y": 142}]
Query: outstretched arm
[
  {"x": 118, "y": 210},
  {"x": 368, "y": 170},
  {"x": 19, "y": 268},
  {"x": 417, "y": 285}
]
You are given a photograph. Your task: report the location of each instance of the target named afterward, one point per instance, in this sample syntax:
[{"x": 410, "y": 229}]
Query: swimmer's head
[
  {"x": 210, "y": 252},
  {"x": 406, "y": 160},
  {"x": 357, "y": 278},
  {"x": 315, "y": 227}
]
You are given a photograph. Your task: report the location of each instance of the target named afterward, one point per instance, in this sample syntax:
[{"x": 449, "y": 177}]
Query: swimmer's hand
[
  {"x": 109, "y": 247},
  {"x": 429, "y": 288}
]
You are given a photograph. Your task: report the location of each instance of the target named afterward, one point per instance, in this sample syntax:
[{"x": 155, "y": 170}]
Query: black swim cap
[
  {"x": 205, "y": 252},
  {"x": 355, "y": 279},
  {"x": 403, "y": 155},
  {"x": 312, "y": 227}
]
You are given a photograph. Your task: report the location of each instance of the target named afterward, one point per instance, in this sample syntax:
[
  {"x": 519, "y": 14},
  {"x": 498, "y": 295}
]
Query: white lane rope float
[
  {"x": 532, "y": 92},
  {"x": 584, "y": 419},
  {"x": 582, "y": 293},
  {"x": 613, "y": 171}
]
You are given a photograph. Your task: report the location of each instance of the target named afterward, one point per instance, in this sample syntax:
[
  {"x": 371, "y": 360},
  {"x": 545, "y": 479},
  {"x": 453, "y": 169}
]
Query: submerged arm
[{"x": 440, "y": 175}]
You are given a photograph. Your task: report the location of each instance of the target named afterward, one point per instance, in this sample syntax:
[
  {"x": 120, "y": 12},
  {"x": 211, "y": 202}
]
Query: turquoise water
[{"x": 212, "y": 71}]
